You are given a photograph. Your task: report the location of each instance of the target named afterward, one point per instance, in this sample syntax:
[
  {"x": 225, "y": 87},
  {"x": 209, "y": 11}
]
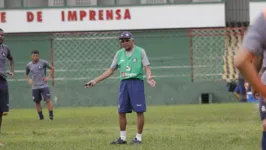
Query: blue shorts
[
  {"x": 262, "y": 109},
  {"x": 131, "y": 96},
  {"x": 38, "y": 93}
]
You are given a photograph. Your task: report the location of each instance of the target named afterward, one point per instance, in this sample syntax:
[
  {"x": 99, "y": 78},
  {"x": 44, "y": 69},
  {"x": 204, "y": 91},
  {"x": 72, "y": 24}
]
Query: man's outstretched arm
[
  {"x": 106, "y": 74},
  {"x": 109, "y": 71}
]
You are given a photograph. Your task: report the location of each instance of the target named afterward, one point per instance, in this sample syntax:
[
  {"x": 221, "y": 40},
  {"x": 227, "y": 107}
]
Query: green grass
[{"x": 186, "y": 127}]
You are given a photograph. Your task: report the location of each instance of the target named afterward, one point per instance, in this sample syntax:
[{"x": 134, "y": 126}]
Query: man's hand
[
  {"x": 105, "y": 75},
  {"x": 11, "y": 73},
  {"x": 30, "y": 81},
  {"x": 151, "y": 81},
  {"x": 45, "y": 79},
  {"x": 90, "y": 83}
]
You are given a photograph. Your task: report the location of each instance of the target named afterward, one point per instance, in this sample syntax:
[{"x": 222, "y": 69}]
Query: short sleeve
[
  {"x": 255, "y": 36},
  {"x": 145, "y": 60},
  {"x": 114, "y": 64},
  {"x": 27, "y": 70},
  {"x": 9, "y": 55},
  {"x": 47, "y": 64}
]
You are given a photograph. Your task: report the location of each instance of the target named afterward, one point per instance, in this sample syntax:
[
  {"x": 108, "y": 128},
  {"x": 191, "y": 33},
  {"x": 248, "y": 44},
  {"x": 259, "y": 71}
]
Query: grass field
[{"x": 186, "y": 127}]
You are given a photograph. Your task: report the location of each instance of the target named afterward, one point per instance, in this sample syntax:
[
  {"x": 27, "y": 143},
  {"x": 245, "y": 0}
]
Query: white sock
[
  {"x": 123, "y": 135},
  {"x": 138, "y": 136}
]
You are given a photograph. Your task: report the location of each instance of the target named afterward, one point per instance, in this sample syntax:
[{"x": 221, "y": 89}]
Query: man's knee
[
  {"x": 140, "y": 114},
  {"x": 122, "y": 114},
  {"x": 37, "y": 102},
  {"x": 48, "y": 101}
]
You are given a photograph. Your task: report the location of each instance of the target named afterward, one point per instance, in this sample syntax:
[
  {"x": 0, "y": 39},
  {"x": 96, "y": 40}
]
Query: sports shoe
[
  {"x": 135, "y": 141},
  {"x": 119, "y": 141}
]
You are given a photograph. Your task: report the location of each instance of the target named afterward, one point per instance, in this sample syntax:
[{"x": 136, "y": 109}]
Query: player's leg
[
  {"x": 123, "y": 108},
  {"x": 242, "y": 90},
  {"x": 47, "y": 97},
  {"x": 262, "y": 109},
  {"x": 137, "y": 99},
  {"x": 1, "y": 117},
  {"x": 37, "y": 97},
  {"x": 4, "y": 100}
]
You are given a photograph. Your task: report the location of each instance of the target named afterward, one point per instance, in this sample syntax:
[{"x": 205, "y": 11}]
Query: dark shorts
[
  {"x": 262, "y": 109},
  {"x": 131, "y": 96},
  {"x": 4, "y": 96},
  {"x": 38, "y": 93},
  {"x": 262, "y": 105}
]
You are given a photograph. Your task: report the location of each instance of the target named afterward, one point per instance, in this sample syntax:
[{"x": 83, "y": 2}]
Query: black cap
[{"x": 126, "y": 35}]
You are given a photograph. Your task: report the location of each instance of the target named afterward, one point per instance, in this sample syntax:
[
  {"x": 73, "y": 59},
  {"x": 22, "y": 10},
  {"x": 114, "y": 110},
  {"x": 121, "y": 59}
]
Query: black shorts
[
  {"x": 37, "y": 94},
  {"x": 4, "y": 95}
]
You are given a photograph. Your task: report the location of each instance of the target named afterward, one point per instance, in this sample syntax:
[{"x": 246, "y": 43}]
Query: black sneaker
[
  {"x": 119, "y": 141},
  {"x": 135, "y": 141}
]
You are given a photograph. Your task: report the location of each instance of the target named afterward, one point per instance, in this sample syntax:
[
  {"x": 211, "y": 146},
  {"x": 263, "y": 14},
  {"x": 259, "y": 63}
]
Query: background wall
[{"x": 185, "y": 66}]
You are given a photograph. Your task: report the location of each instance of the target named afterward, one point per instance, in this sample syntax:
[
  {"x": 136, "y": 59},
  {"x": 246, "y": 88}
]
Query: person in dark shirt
[{"x": 5, "y": 54}]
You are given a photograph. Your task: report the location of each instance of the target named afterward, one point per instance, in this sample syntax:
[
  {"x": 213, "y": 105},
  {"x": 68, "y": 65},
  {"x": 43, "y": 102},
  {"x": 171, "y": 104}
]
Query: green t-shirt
[{"x": 130, "y": 67}]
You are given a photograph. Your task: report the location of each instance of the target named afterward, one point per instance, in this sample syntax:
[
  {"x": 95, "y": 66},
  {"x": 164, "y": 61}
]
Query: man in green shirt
[{"x": 130, "y": 60}]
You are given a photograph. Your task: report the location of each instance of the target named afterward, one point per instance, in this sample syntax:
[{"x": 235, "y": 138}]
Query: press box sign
[{"x": 113, "y": 18}]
